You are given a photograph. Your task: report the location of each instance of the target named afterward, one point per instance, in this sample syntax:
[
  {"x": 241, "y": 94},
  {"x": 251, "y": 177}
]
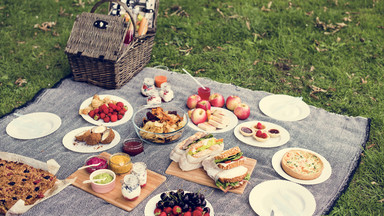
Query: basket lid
[{"x": 97, "y": 36}]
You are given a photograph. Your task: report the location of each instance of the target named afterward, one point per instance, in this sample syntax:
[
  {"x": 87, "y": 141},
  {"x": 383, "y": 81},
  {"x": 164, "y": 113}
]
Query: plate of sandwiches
[
  {"x": 302, "y": 166},
  {"x": 261, "y": 134},
  {"x": 201, "y": 158},
  {"x": 220, "y": 120}
]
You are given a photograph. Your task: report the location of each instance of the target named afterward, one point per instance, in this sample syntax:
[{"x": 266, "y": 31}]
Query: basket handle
[{"x": 122, "y": 5}]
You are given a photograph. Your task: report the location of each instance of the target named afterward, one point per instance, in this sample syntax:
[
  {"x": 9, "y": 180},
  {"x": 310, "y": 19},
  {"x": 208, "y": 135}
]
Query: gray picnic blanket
[{"x": 340, "y": 139}]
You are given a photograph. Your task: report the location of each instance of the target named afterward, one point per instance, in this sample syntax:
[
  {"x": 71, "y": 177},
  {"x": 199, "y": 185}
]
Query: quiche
[{"x": 302, "y": 164}]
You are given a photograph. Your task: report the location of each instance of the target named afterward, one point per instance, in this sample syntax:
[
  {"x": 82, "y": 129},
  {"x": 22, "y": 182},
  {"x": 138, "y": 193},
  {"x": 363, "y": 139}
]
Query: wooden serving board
[
  {"x": 200, "y": 176},
  {"x": 115, "y": 197}
]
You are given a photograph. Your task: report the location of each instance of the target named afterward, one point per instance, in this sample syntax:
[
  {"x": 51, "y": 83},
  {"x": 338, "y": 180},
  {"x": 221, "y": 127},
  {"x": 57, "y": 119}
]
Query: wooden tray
[
  {"x": 115, "y": 197},
  {"x": 200, "y": 176}
]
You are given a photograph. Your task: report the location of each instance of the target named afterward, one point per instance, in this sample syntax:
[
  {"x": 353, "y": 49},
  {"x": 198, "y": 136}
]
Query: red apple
[
  {"x": 232, "y": 102},
  {"x": 242, "y": 111},
  {"x": 216, "y": 100},
  {"x": 192, "y": 101},
  {"x": 198, "y": 116},
  {"x": 203, "y": 104}
]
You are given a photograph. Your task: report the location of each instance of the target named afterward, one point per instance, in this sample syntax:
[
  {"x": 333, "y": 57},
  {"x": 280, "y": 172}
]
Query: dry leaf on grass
[
  {"x": 265, "y": 9},
  {"x": 45, "y": 26},
  {"x": 381, "y": 201},
  {"x": 2, "y": 7},
  {"x": 19, "y": 82},
  {"x": 221, "y": 13},
  {"x": 200, "y": 70}
]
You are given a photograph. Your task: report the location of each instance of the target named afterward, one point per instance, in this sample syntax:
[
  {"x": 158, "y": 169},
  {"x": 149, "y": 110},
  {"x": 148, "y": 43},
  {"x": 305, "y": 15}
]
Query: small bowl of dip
[
  {"x": 120, "y": 163},
  {"x": 96, "y": 159},
  {"x": 106, "y": 185},
  {"x": 133, "y": 146}
]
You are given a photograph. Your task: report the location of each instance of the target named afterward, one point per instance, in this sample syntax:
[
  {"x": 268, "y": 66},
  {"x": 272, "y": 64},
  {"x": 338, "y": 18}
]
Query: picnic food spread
[{"x": 21, "y": 181}]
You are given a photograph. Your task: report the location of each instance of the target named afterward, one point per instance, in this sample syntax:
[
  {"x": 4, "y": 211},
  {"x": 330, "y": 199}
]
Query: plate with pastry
[
  {"x": 91, "y": 139},
  {"x": 107, "y": 110},
  {"x": 302, "y": 166},
  {"x": 284, "y": 107},
  {"x": 217, "y": 120},
  {"x": 282, "y": 198},
  {"x": 261, "y": 134}
]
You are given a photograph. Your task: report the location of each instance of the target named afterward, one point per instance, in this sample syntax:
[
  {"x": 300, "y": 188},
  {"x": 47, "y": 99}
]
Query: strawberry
[
  {"x": 119, "y": 117},
  {"x": 122, "y": 112},
  {"x": 111, "y": 105},
  {"x": 110, "y": 110},
  {"x": 258, "y": 133},
  {"x": 197, "y": 213},
  {"x": 167, "y": 210},
  {"x": 199, "y": 208},
  {"x": 206, "y": 214},
  {"x": 120, "y": 104},
  {"x": 106, "y": 119},
  {"x": 97, "y": 110},
  {"x": 105, "y": 111},
  {"x": 176, "y": 210},
  {"x": 104, "y": 106},
  {"x": 113, "y": 118},
  {"x": 114, "y": 113},
  {"x": 125, "y": 108},
  {"x": 117, "y": 108},
  {"x": 264, "y": 135},
  {"x": 91, "y": 113},
  {"x": 163, "y": 214},
  {"x": 157, "y": 211},
  {"x": 109, "y": 114},
  {"x": 187, "y": 214},
  {"x": 102, "y": 115},
  {"x": 96, "y": 117},
  {"x": 259, "y": 126}
]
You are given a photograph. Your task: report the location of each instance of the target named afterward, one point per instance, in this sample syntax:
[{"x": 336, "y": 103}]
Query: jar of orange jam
[{"x": 120, "y": 163}]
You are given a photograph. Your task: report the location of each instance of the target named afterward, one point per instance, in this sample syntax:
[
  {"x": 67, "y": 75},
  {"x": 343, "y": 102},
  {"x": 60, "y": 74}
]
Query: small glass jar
[
  {"x": 131, "y": 187},
  {"x": 204, "y": 93},
  {"x": 133, "y": 146},
  {"x": 139, "y": 169},
  {"x": 95, "y": 159},
  {"x": 120, "y": 163}
]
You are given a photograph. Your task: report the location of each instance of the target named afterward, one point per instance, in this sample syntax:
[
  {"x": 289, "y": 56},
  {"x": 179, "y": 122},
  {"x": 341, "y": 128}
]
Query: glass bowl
[
  {"x": 95, "y": 159},
  {"x": 120, "y": 163},
  {"x": 133, "y": 146},
  {"x": 160, "y": 131}
]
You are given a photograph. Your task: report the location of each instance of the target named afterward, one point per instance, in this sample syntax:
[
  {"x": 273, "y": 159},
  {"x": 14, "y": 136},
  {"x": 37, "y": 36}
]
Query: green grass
[{"x": 284, "y": 50}]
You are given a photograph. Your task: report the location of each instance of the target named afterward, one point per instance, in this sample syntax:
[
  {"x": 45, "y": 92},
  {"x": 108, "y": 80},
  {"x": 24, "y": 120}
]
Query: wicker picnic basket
[{"x": 98, "y": 55}]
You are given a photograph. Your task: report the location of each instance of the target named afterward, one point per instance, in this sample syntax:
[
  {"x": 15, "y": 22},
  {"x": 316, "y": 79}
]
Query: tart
[
  {"x": 261, "y": 135},
  {"x": 273, "y": 133},
  {"x": 246, "y": 131},
  {"x": 259, "y": 126},
  {"x": 302, "y": 164}
]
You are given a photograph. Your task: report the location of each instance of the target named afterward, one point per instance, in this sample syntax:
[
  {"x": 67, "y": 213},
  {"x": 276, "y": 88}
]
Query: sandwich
[
  {"x": 182, "y": 146},
  {"x": 190, "y": 152},
  {"x": 227, "y": 169},
  {"x": 230, "y": 158}
]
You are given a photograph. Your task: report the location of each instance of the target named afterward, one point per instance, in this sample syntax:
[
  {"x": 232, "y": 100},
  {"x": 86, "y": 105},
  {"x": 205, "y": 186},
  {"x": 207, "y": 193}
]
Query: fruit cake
[
  {"x": 21, "y": 181},
  {"x": 302, "y": 165}
]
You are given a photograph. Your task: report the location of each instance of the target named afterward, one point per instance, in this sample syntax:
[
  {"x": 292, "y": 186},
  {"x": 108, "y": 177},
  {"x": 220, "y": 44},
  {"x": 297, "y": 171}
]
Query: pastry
[{"x": 302, "y": 164}]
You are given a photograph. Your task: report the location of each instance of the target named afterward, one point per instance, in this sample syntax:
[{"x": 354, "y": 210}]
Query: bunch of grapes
[{"x": 181, "y": 203}]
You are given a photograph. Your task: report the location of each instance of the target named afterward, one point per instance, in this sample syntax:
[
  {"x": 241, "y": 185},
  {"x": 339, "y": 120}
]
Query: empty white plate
[
  {"x": 33, "y": 125},
  {"x": 284, "y": 107}
]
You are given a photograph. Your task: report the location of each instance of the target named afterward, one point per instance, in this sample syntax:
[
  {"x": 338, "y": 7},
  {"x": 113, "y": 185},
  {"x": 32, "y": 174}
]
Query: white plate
[
  {"x": 70, "y": 143},
  {"x": 284, "y": 107},
  {"x": 284, "y": 197},
  {"x": 232, "y": 118},
  {"x": 151, "y": 205},
  {"x": 127, "y": 116},
  {"x": 271, "y": 142},
  {"x": 276, "y": 163},
  {"x": 33, "y": 125}
]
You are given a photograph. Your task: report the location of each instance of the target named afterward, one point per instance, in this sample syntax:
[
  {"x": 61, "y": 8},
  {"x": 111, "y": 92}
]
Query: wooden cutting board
[
  {"x": 154, "y": 180},
  {"x": 200, "y": 176}
]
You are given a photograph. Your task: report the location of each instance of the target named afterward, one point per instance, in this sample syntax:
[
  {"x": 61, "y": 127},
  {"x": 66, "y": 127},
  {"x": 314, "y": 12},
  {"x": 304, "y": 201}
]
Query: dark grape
[
  {"x": 185, "y": 207},
  {"x": 207, "y": 209},
  {"x": 198, "y": 202},
  {"x": 163, "y": 196},
  {"x": 172, "y": 193},
  {"x": 171, "y": 203},
  {"x": 202, "y": 197},
  {"x": 203, "y": 203},
  {"x": 186, "y": 199},
  {"x": 160, "y": 204},
  {"x": 180, "y": 191}
]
